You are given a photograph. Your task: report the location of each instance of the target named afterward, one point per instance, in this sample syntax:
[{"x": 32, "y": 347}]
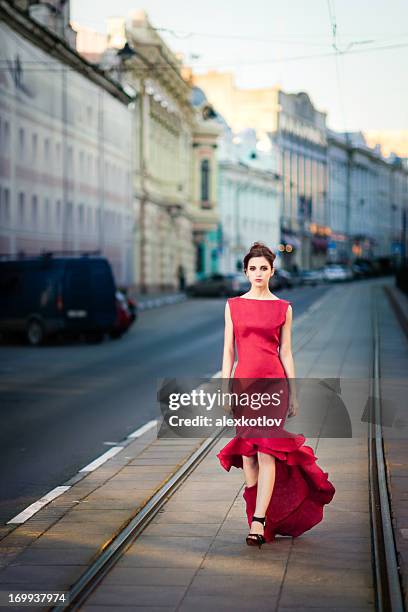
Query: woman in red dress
[{"x": 285, "y": 489}]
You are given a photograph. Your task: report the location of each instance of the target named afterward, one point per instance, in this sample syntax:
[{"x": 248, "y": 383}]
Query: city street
[
  {"x": 189, "y": 552},
  {"x": 64, "y": 405},
  {"x": 152, "y": 163}
]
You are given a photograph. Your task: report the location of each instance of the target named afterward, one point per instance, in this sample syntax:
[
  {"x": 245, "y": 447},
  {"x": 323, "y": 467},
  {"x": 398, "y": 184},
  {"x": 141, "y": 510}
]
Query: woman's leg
[
  {"x": 250, "y": 465},
  {"x": 266, "y": 482}
]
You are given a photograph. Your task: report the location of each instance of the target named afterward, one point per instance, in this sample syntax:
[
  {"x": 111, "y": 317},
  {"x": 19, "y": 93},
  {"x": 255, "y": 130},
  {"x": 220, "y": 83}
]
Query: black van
[{"x": 43, "y": 295}]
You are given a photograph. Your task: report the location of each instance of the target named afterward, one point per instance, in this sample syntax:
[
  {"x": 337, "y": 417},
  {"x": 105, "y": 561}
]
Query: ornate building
[{"x": 174, "y": 157}]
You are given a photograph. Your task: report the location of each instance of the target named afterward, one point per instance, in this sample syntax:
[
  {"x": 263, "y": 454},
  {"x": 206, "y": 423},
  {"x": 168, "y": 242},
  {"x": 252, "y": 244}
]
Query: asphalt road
[{"x": 62, "y": 405}]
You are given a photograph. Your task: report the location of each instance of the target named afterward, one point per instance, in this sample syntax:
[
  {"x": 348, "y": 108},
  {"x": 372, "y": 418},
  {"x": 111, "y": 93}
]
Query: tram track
[
  {"x": 113, "y": 551},
  {"x": 387, "y": 584}
]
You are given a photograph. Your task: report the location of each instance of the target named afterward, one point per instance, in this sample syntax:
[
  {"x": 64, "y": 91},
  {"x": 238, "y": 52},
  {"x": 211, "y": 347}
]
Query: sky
[{"x": 266, "y": 43}]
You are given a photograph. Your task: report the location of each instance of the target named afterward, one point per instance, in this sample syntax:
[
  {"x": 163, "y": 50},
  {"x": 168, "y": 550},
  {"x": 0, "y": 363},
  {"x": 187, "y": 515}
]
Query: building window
[
  {"x": 81, "y": 216},
  {"x": 4, "y": 207},
  {"x": 21, "y": 209},
  {"x": 4, "y": 136},
  {"x": 47, "y": 150},
  {"x": 21, "y": 143},
  {"x": 70, "y": 162},
  {"x": 68, "y": 219},
  {"x": 199, "y": 258},
  {"x": 58, "y": 213},
  {"x": 34, "y": 148},
  {"x": 81, "y": 164},
  {"x": 205, "y": 183},
  {"x": 46, "y": 213},
  {"x": 34, "y": 211}
]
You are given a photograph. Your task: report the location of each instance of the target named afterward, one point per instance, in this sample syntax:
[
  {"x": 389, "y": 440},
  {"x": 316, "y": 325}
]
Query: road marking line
[
  {"x": 143, "y": 429},
  {"x": 23, "y": 516},
  {"x": 97, "y": 462}
]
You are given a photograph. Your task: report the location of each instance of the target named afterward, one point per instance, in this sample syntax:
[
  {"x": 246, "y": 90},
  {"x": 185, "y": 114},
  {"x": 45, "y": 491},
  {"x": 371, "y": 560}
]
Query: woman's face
[{"x": 259, "y": 272}]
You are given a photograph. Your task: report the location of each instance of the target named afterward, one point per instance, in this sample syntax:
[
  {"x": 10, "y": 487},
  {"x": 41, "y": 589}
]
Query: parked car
[
  {"x": 358, "y": 271},
  {"x": 296, "y": 277},
  {"x": 365, "y": 267},
  {"x": 282, "y": 279},
  {"x": 126, "y": 313},
  {"x": 217, "y": 285},
  {"x": 312, "y": 277},
  {"x": 43, "y": 295},
  {"x": 335, "y": 273}
]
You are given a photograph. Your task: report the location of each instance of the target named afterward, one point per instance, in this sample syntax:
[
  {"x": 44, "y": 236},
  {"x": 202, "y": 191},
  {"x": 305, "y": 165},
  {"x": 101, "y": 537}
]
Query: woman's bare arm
[
  {"x": 286, "y": 357},
  {"x": 229, "y": 348},
  {"x": 285, "y": 345}
]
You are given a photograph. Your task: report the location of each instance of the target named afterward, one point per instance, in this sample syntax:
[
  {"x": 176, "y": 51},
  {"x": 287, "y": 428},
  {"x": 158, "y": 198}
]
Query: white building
[
  {"x": 300, "y": 135},
  {"x": 248, "y": 197},
  {"x": 368, "y": 195},
  {"x": 65, "y": 149},
  {"x": 338, "y": 170}
]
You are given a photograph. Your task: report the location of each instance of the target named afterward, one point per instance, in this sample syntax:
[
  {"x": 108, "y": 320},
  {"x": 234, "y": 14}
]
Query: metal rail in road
[
  {"x": 96, "y": 572},
  {"x": 384, "y": 556}
]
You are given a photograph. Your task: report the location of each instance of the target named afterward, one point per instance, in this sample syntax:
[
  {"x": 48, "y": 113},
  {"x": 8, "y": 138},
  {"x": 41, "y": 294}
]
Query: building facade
[
  {"x": 65, "y": 149},
  {"x": 248, "y": 198},
  {"x": 174, "y": 163},
  {"x": 340, "y": 199},
  {"x": 300, "y": 136},
  {"x": 368, "y": 195},
  {"x": 298, "y": 132},
  {"x": 339, "y": 177}
]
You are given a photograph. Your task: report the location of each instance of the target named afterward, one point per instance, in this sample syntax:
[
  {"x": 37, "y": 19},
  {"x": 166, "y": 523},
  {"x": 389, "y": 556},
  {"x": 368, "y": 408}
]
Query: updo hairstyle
[{"x": 259, "y": 249}]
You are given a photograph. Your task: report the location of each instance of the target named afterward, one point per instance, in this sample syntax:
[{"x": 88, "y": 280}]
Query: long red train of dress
[{"x": 301, "y": 487}]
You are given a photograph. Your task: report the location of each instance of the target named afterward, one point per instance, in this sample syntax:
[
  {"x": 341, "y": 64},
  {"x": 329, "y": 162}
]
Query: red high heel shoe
[{"x": 256, "y": 539}]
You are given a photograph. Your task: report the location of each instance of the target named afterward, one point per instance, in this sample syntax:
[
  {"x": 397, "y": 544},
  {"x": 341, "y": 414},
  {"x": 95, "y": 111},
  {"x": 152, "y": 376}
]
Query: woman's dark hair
[{"x": 259, "y": 249}]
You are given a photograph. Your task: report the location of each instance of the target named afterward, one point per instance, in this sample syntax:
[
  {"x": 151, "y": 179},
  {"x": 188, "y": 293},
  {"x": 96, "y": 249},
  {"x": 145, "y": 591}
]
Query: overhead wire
[
  {"x": 236, "y": 62},
  {"x": 337, "y": 53}
]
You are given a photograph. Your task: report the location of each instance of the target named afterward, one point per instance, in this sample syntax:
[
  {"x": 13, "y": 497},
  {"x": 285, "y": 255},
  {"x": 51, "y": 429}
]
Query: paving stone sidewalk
[{"x": 193, "y": 556}]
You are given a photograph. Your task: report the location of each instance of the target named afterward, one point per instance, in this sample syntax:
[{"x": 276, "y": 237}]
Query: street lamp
[{"x": 127, "y": 52}]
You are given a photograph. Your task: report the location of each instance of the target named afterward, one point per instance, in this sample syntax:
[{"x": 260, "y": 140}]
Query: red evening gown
[{"x": 301, "y": 488}]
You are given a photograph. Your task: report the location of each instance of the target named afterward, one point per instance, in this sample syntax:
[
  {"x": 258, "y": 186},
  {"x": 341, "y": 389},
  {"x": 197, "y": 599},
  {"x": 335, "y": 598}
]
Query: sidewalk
[
  {"x": 193, "y": 557},
  {"x": 193, "y": 554}
]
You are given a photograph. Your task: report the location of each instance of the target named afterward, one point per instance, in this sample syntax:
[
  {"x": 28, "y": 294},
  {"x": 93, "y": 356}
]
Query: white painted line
[
  {"x": 95, "y": 464},
  {"x": 143, "y": 429},
  {"x": 23, "y": 516}
]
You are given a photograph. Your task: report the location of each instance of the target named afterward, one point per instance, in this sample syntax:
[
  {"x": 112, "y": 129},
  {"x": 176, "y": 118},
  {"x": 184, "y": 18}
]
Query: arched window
[{"x": 205, "y": 180}]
